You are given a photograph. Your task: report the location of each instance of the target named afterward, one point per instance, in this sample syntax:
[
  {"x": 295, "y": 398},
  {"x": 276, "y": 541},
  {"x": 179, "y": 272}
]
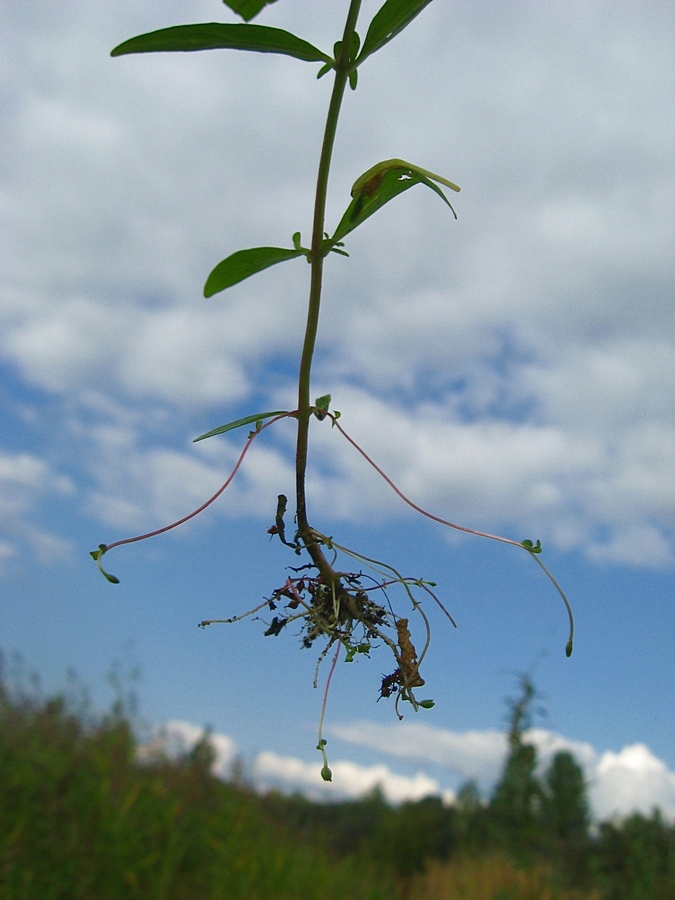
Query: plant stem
[{"x": 342, "y": 67}]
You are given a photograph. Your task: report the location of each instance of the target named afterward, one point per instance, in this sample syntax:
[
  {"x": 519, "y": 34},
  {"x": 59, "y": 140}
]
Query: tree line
[
  {"x": 83, "y": 814},
  {"x": 530, "y": 820}
]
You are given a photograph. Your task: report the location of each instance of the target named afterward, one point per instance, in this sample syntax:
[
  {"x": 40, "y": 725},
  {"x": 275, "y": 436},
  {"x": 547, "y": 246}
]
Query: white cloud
[
  {"x": 157, "y": 486},
  {"x": 20, "y": 475},
  {"x": 472, "y": 754},
  {"x": 634, "y": 544},
  {"x": 632, "y": 780},
  {"x": 25, "y": 482},
  {"x": 174, "y": 355},
  {"x": 618, "y": 783},
  {"x": 270, "y": 770},
  {"x": 610, "y": 501},
  {"x": 177, "y": 737},
  {"x": 349, "y": 779},
  {"x": 534, "y": 329}
]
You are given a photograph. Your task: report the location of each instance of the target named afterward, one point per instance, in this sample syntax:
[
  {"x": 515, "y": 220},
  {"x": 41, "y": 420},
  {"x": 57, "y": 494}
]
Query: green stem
[{"x": 342, "y": 67}]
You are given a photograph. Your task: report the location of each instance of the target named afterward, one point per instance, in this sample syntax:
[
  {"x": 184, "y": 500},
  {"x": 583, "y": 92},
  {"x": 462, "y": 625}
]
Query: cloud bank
[{"x": 619, "y": 782}]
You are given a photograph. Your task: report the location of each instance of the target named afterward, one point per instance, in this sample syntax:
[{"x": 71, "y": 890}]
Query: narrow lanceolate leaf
[
  {"x": 248, "y": 420},
  {"x": 392, "y": 18},
  {"x": 217, "y": 35},
  {"x": 243, "y": 264},
  {"x": 247, "y": 9},
  {"x": 380, "y": 190}
]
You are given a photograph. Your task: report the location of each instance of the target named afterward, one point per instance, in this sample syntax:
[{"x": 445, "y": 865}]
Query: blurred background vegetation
[{"x": 83, "y": 814}]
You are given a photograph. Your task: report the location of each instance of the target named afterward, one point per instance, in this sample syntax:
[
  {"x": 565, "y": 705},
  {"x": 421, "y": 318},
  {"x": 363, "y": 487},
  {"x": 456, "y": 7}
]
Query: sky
[{"x": 511, "y": 371}]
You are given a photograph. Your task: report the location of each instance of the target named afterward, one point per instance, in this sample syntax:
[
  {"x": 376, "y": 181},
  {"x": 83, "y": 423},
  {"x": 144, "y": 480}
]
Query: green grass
[{"x": 80, "y": 817}]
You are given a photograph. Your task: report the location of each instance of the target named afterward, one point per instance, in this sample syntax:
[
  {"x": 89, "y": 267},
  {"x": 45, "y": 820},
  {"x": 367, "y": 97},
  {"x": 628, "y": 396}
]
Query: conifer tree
[
  {"x": 516, "y": 802},
  {"x": 566, "y": 815}
]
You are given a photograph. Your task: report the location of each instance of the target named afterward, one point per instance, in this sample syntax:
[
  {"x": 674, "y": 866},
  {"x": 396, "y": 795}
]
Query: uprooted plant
[{"x": 348, "y": 608}]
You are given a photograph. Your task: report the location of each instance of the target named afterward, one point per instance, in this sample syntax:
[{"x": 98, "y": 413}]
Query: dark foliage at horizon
[{"x": 81, "y": 816}]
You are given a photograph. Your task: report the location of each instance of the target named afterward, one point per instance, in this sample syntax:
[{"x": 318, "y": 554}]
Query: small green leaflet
[
  {"x": 220, "y": 36},
  {"x": 321, "y": 405},
  {"x": 248, "y": 420},
  {"x": 529, "y": 545},
  {"x": 243, "y": 264},
  {"x": 98, "y": 555},
  {"x": 247, "y": 9}
]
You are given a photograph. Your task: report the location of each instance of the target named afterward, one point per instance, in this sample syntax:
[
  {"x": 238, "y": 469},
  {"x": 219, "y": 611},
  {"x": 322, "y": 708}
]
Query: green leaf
[
  {"x": 248, "y": 420},
  {"x": 528, "y": 545},
  {"x": 354, "y": 43},
  {"x": 369, "y": 180},
  {"x": 216, "y": 35},
  {"x": 243, "y": 264},
  {"x": 321, "y": 405},
  {"x": 247, "y": 9},
  {"x": 378, "y": 192},
  {"x": 98, "y": 555},
  {"x": 392, "y": 18}
]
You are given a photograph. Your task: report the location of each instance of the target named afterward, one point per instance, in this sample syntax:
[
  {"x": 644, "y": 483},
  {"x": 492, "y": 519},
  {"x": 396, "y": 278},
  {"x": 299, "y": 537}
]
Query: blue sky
[{"x": 512, "y": 371}]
